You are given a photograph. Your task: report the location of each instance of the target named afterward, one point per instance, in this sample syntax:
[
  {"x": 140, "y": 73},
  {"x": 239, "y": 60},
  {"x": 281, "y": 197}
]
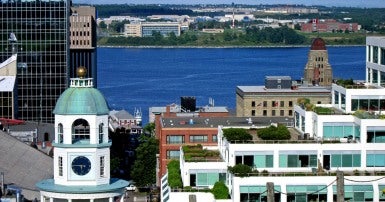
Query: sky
[{"x": 338, "y": 3}]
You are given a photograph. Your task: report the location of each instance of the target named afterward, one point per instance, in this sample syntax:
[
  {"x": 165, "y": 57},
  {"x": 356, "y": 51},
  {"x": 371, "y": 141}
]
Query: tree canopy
[{"x": 144, "y": 169}]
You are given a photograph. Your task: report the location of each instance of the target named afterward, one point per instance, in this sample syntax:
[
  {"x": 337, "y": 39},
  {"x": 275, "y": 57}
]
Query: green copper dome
[{"x": 80, "y": 100}]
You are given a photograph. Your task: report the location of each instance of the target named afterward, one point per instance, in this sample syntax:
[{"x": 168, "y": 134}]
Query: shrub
[
  {"x": 240, "y": 170},
  {"x": 220, "y": 191},
  {"x": 274, "y": 133},
  {"x": 174, "y": 178},
  {"x": 239, "y": 134}
]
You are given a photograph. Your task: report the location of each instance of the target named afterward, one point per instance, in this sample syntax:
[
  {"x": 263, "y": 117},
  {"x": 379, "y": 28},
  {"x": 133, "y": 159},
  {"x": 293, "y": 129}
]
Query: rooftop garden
[
  {"x": 196, "y": 153},
  {"x": 362, "y": 114}
]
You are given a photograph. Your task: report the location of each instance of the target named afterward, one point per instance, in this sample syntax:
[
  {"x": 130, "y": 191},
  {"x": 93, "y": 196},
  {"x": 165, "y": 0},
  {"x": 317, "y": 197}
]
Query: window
[
  {"x": 80, "y": 130},
  {"x": 102, "y": 161},
  {"x": 274, "y": 103},
  {"x": 253, "y": 103},
  {"x": 272, "y": 112},
  {"x": 282, "y": 113},
  {"x": 175, "y": 139},
  {"x": 297, "y": 160},
  {"x": 264, "y": 112},
  {"x": 214, "y": 138},
  {"x": 60, "y": 165},
  {"x": 60, "y": 133},
  {"x": 264, "y": 103},
  {"x": 253, "y": 112},
  {"x": 290, "y": 103},
  {"x": 198, "y": 138},
  {"x": 173, "y": 154},
  {"x": 290, "y": 112},
  {"x": 101, "y": 133},
  {"x": 282, "y": 103}
]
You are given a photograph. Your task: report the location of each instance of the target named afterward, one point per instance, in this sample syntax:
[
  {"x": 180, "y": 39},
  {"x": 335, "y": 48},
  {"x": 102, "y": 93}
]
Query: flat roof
[
  {"x": 7, "y": 83},
  {"x": 300, "y": 89},
  {"x": 214, "y": 122}
]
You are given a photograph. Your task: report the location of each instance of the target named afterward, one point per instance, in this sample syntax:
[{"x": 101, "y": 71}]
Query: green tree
[
  {"x": 144, "y": 169},
  {"x": 149, "y": 129},
  {"x": 220, "y": 191},
  {"x": 103, "y": 25}
]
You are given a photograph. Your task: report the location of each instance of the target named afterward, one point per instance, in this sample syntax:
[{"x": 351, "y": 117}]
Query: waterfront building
[
  {"x": 329, "y": 25},
  {"x": 81, "y": 159},
  {"x": 83, "y": 41},
  {"x": 336, "y": 152},
  {"x": 318, "y": 71},
  {"x": 277, "y": 97},
  {"x": 38, "y": 32},
  {"x": 146, "y": 29}
]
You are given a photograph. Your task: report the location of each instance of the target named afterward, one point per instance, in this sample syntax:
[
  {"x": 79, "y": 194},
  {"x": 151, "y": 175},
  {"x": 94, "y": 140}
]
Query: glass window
[
  {"x": 198, "y": 138},
  {"x": 264, "y": 112},
  {"x": 102, "y": 164},
  {"x": 290, "y": 103},
  {"x": 282, "y": 112},
  {"x": 215, "y": 138},
  {"x": 60, "y": 132},
  {"x": 101, "y": 133},
  {"x": 253, "y": 112},
  {"x": 175, "y": 139},
  {"x": 173, "y": 154},
  {"x": 264, "y": 103},
  {"x": 253, "y": 103},
  {"x": 282, "y": 103},
  {"x": 60, "y": 165},
  {"x": 375, "y": 54},
  {"x": 272, "y": 112}
]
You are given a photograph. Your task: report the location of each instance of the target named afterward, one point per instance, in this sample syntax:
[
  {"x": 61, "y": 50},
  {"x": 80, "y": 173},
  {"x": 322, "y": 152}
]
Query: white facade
[{"x": 305, "y": 169}]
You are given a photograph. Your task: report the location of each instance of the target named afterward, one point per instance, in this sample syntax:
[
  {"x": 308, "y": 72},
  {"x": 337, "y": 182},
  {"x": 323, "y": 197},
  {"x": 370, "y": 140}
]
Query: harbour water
[{"x": 139, "y": 78}]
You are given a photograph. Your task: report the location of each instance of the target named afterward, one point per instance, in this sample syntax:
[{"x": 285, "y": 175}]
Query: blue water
[{"x": 141, "y": 78}]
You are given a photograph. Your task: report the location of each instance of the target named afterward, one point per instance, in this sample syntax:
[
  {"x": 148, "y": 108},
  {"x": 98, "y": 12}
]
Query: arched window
[
  {"x": 60, "y": 133},
  {"x": 101, "y": 133},
  {"x": 80, "y": 131}
]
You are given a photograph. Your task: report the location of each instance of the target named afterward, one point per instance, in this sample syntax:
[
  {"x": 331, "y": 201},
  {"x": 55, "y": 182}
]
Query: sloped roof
[
  {"x": 123, "y": 114},
  {"x": 23, "y": 165}
]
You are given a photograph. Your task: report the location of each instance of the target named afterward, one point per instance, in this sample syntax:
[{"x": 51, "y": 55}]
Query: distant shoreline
[{"x": 266, "y": 46}]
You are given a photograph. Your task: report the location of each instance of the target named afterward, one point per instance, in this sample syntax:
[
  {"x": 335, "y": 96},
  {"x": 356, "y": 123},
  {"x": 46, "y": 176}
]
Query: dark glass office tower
[{"x": 38, "y": 32}]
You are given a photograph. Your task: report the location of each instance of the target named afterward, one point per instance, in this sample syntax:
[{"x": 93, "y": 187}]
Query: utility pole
[
  {"x": 270, "y": 191},
  {"x": 340, "y": 187}
]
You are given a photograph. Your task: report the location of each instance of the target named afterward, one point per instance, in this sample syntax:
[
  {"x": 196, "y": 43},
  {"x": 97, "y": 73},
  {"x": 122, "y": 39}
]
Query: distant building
[
  {"x": 124, "y": 120},
  {"x": 277, "y": 98},
  {"x": 83, "y": 41},
  {"x": 292, "y": 10},
  {"x": 146, "y": 29},
  {"x": 329, "y": 26},
  {"x": 318, "y": 71}
]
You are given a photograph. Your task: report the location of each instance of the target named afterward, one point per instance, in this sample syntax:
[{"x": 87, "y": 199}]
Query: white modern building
[
  {"x": 82, "y": 148},
  {"x": 345, "y": 136}
]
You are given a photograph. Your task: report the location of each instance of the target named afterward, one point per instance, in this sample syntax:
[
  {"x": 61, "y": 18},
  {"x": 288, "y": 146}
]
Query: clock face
[{"x": 81, "y": 165}]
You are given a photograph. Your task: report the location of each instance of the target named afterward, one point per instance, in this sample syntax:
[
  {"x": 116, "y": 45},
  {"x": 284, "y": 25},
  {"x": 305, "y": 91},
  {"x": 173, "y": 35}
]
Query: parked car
[{"x": 131, "y": 187}]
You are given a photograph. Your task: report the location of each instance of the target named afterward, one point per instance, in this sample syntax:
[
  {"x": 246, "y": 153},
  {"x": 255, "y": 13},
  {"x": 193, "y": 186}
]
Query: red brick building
[
  {"x": 329, "y": 26},
  {"x": 175, "y": 129}
]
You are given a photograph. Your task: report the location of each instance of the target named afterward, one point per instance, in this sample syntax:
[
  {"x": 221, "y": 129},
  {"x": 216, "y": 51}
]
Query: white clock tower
[{"x": 81, "y": 147}]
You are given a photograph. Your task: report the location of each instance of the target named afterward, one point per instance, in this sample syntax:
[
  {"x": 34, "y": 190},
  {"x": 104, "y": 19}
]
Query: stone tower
[{"x": 318, "y": 71}]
